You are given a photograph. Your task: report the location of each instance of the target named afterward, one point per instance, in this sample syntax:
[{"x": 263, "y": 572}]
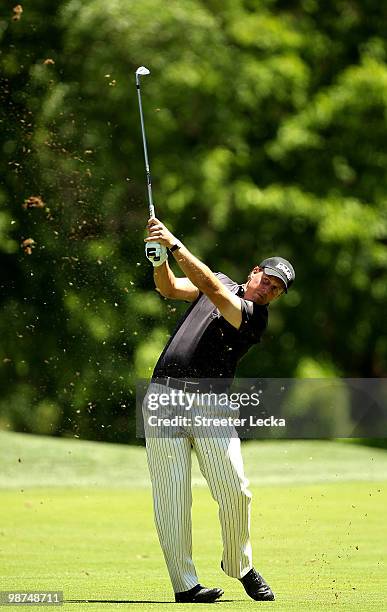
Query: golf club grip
[{"x": 150, "y": 195}]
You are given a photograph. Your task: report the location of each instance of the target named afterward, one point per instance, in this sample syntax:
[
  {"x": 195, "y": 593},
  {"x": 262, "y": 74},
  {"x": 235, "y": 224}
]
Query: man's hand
[
  {"x": 200, "y": 276},
  {"x": 156, "y": 253},
  {"x": 157, "y": 232}
]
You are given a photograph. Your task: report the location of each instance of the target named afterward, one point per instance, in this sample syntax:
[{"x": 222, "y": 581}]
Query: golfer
[{"x": 223, "y": 321}]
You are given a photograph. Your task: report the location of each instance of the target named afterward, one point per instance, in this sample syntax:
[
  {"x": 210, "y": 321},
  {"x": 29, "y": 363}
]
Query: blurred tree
[{"x": 266, "y": 126}]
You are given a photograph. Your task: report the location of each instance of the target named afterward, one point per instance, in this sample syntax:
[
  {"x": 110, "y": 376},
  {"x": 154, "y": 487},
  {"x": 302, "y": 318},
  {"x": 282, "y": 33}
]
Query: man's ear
[{"x": 255, "y": 270}]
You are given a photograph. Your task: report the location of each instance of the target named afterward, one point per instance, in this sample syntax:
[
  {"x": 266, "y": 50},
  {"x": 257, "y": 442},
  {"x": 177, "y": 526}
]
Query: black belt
[{"x": 187, "y": 386}]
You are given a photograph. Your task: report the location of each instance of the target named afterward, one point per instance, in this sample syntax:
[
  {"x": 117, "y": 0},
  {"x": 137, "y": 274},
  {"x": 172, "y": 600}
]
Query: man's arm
[
  {"x": 199, "y": 274},
  {"x": 172, "y": 287}
]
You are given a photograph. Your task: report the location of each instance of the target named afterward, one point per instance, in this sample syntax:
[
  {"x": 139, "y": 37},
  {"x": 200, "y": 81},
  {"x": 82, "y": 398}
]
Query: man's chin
[{"x": 260, "y": 299}]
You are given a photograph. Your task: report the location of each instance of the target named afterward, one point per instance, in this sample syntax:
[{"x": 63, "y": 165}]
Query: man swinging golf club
[{"x": 224, "y": 320}]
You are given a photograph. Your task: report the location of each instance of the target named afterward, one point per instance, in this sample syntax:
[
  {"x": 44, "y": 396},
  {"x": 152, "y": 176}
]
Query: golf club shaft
[{"x": 147, "y": 169}]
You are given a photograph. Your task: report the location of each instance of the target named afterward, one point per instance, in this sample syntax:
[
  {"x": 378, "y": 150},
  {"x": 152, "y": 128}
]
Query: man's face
[{"x": 263, "y": 289}]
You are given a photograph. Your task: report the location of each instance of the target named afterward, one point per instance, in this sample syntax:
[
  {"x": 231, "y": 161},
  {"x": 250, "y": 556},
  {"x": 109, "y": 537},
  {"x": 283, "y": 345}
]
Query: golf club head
[{"x": 142, "y": 71}]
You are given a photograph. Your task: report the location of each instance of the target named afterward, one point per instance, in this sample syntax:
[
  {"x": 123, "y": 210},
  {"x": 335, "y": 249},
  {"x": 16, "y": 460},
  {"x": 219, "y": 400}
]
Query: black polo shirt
[{"x": 205, "y": 345}]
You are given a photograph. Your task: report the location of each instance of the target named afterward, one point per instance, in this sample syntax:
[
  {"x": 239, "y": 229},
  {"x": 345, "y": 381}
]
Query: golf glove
[{"x": 156, "y": 253}]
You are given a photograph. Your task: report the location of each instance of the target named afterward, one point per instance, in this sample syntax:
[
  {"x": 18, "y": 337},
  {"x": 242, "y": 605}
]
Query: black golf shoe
[
  {"x": 256, "y": 587},
  {"x": 199, "y": 594}
]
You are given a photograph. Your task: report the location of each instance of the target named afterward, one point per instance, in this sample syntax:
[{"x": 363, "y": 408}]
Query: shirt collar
[{"x": 241, "y": 291}]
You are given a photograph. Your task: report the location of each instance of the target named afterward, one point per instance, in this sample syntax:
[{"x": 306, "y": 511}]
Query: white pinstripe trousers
[{"x": 220, "y": 461}]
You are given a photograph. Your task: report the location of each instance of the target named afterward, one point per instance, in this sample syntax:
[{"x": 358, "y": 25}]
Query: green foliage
[{"x": 266, "y": 128}]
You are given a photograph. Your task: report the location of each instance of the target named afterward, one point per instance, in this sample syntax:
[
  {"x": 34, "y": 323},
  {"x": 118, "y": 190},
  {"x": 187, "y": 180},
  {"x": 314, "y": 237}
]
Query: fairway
[{"x": 85, "y": 526}]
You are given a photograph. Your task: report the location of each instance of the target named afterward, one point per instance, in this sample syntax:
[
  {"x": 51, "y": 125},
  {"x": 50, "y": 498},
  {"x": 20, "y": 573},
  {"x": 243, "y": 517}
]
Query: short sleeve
[
  {"x": 223, "y": 279},
  {"x": 254, "y": 319}
]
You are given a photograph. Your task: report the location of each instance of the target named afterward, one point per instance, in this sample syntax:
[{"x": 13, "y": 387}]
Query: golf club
[
  {"x": 142, "y": 71},
  {"x": 153, "y": 249}
]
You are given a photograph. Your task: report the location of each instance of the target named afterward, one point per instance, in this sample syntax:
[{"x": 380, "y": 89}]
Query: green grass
[
  {"x": 76, "y": 516},
  {"x": 35, "y": 461}
]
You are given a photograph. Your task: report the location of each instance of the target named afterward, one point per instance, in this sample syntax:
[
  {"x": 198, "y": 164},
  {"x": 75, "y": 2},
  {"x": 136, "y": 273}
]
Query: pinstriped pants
[{"x": 220, "y": 461}]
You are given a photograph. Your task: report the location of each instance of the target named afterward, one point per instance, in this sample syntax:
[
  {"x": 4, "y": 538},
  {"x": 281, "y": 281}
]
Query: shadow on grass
[
  {"x": 116, "y": 601},
  {"x": 133, "y": 601}
]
